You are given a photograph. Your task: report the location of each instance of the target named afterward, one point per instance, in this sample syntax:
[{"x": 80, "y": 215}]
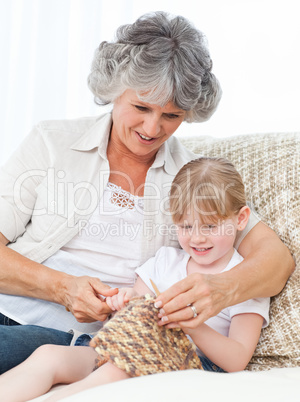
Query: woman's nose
[{"x": 152, "y": 125}]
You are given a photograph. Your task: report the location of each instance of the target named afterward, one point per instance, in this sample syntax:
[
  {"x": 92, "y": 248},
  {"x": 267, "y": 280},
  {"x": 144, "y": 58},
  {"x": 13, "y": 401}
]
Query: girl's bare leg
[
  {"x": 47, "y": 366},
  {"x": 103, "y": 375}
]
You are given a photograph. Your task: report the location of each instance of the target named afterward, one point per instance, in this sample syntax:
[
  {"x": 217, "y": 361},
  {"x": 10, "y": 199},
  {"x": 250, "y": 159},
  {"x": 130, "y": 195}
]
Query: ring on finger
[{"x": 194, "y": 310}]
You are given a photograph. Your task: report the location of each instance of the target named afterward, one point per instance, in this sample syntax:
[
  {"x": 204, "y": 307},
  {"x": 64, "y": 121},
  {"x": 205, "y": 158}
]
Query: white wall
[{"x": 46, "y": 47}]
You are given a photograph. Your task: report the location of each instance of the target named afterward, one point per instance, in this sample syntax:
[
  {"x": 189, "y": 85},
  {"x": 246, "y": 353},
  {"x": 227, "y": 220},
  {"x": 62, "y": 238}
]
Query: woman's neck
[
  {"x": 119, "y": 150},
  {"x": 127, "y": 170}
]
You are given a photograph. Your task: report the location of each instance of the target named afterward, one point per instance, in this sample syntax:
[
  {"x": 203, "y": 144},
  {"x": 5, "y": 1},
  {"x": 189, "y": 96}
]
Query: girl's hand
[
  {"x": 119, "y": 300},
  {"x": 209, "y": 294}
]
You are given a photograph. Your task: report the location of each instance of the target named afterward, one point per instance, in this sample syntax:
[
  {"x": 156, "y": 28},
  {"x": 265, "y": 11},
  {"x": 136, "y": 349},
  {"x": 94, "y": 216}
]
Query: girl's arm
[
  {"x": 263, "y": 273},
  {"x": 234, "y": 352},
  {"x": 118, "y": 301}
]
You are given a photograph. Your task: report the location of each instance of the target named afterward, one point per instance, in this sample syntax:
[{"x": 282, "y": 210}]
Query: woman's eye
[
  {"x": 141, "y": 108},
  {"x": 172, "y": 116}
]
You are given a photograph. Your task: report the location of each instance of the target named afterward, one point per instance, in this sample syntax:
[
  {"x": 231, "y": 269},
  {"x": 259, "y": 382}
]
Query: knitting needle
[{"x": 155, "y": 287}]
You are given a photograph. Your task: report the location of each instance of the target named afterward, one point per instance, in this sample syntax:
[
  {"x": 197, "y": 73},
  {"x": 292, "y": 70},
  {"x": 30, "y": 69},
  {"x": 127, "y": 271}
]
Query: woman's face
[{"x": 140, "y": 127}]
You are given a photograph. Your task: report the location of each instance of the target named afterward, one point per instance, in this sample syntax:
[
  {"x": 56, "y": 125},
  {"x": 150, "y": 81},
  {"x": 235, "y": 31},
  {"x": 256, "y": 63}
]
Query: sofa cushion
[{"x": 270, "y": 167}]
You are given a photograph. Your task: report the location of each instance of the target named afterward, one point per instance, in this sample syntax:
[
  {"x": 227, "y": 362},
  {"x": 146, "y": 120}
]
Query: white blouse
[{"x": 108, "y": 247}]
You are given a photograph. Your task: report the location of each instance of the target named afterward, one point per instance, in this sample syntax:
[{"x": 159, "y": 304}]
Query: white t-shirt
[{"x": 169, "y": 266}]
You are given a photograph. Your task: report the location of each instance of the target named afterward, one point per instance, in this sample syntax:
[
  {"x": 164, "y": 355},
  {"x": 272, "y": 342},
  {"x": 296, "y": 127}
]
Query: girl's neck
[{"x": 214, "y": 268}]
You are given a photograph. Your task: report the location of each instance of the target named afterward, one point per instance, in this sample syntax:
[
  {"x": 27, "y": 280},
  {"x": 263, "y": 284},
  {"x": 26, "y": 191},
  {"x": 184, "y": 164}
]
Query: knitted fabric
[
  {"x": 270, "y": 167},
  {"x": 134, "y": 342}
]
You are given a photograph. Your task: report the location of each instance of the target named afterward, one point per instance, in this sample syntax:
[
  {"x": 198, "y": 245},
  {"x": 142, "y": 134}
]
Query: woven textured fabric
[
  {"x": 134, "y": 342},
  {"x": 270, "y": 167}
]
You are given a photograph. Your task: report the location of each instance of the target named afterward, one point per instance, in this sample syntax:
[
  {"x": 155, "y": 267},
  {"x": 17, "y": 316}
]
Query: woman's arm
[
  {"x": 24, "y": 277},
  {"x": 263, "y": 273},
  {"x": 268, "y": 264},
  {"x": 234, "y": 352}
]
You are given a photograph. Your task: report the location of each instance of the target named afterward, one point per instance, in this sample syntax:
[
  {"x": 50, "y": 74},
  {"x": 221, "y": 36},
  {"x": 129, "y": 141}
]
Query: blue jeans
[
  {"x": 210, "y": 366},
  {"x": 17, "y": 342}
]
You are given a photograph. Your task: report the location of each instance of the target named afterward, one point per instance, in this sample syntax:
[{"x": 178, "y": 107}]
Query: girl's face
[
  {"x": 140, "y": 128},
  {"x": 210, "y": 244}
]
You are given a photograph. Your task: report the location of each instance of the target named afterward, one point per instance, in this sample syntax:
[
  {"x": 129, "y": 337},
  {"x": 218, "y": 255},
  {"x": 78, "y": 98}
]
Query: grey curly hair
[{"x": 163, "y": 59}]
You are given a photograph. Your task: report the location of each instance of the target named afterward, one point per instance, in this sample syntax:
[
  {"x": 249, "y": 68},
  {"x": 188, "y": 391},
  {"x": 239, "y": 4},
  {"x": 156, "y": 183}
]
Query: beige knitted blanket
[
  {"x": 134, "y": 342},
  {"x": 270, "y": 167}
]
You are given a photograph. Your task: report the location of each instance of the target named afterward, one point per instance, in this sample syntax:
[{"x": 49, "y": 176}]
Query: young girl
[{"x": 208, "y": 206}]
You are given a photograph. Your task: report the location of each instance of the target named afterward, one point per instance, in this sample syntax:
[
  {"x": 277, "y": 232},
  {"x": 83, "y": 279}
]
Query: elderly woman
[{"x": 84, "y": 202}]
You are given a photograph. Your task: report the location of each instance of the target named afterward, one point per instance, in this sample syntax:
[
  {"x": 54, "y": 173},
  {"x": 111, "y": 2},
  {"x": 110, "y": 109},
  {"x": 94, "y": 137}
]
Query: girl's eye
[
  {"x": 209, "y": 227},
  {"x": 186, "y": 227}
]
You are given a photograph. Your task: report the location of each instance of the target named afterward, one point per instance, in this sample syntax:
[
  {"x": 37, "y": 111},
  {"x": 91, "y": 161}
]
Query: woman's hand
[
  {"x": 82, "y": 296},
  {"x": 119, "y": 300},
  {"x": 209, "y": 294},
  {"x": 266, "y": 267}
]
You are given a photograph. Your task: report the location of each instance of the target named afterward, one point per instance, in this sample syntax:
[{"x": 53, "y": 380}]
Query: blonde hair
[{"x": 210, "y": 186}]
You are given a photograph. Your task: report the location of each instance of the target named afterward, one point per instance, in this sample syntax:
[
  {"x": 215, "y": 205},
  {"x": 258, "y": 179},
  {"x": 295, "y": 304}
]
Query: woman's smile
[
  {"x": 141, "y": 128},
  {"x": 145, "y": 139}
]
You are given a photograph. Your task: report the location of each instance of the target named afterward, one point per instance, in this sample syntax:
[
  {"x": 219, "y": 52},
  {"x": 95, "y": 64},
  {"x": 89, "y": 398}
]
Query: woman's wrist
[
  {"x": 224, "y": 290},
  {"x": 230, "y": 287},
  {"x": 60, "y": 290}
]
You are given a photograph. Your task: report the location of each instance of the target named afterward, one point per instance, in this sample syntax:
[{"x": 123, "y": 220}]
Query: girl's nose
[{"x": 198, "y": 236}]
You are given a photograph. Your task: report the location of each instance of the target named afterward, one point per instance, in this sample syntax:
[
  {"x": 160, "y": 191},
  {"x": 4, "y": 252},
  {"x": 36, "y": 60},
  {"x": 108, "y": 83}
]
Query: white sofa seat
[{"x": 275, "y": 385}]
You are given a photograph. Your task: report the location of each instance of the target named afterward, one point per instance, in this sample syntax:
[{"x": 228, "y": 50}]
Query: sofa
[{"x": 270, "y": 166}]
